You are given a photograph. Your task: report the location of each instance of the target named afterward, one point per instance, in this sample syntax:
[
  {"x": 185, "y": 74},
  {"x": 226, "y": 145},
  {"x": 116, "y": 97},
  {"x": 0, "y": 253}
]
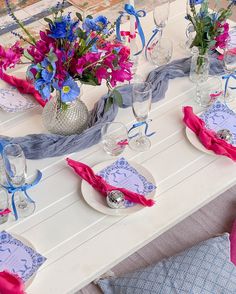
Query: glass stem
[{"x": 140, "y": 132}]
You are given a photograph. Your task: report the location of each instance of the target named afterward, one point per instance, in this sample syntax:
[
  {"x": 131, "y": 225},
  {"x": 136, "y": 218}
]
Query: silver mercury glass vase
[{"x": 65, "y": 119}]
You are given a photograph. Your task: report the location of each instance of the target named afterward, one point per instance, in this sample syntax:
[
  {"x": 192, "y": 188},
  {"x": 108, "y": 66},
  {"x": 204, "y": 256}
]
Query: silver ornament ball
[
  {"x": 225, "y": 134},
  {"x": 115, "y": 199}
]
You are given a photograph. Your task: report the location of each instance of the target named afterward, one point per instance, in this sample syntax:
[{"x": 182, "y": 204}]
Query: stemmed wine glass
[
  {"x": 142, "y": 98},
  {"x": 230, "y": 69},
  {"x": 15, "y": 169},
  {"x": 160, "y": 15}
]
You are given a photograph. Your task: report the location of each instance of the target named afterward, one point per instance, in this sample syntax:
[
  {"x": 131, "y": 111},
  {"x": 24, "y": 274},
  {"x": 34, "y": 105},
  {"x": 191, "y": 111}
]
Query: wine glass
[
  {"x": 142, "y": 98},
  {"x": 160, "y": 15},
  {"x": 230, "y": 69},
  {"x": 15, "y": 169}
]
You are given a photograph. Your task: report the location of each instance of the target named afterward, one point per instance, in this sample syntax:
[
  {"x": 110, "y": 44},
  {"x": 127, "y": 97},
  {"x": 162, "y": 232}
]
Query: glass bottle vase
[
  {"x": 65, "y": 118},
  {"x": 199, "y": 68}
]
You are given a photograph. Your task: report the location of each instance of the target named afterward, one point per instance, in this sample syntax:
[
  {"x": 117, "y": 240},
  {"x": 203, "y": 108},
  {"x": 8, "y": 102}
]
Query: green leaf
[
  {"x": 118, "y": 97},
  {"x": 109, "y": 103},
  {"x": 28, "y": 56},
  {"x": 79, "y": 16},
  {"x": 64, "y": 106},
  {"x": 89, "y": 16},
  {"x": 52, "y": 57},
  {"x": 48, "y": 20}
]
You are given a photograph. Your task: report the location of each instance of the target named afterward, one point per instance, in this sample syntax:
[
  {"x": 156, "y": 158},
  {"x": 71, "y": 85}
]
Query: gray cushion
[{"x": 205, "y": 268}]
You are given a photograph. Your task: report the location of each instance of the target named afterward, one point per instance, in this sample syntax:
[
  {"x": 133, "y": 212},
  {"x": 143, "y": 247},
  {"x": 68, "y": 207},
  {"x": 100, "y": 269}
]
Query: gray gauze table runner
[{"x": 37, "y": 146}]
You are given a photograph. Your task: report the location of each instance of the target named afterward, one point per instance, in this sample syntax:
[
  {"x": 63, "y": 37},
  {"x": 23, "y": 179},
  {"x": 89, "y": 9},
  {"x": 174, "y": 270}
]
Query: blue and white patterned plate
[
  {"x": 19, "y": 257},
  {"x": 115, "y": 173}
]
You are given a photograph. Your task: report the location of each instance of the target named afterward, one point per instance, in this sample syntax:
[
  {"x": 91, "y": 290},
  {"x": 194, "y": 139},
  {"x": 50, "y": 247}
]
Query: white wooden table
[{"x": 81, "y": 243}]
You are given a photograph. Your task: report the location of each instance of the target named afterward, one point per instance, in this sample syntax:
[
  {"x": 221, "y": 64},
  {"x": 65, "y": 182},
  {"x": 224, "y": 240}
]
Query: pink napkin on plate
[
  {"x": 10, "y": 284},
  {"x": 99, "y": 184},
  {"x": 23, "y": 86},
  {"x": 208, "y": 138}
]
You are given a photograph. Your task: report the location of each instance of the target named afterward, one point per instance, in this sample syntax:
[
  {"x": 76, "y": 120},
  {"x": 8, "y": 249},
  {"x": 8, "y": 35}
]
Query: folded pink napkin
[
  {"x": 99, "y": 184},
  {"x": 233, "y": 243},
  {"x": 10, "y": 284},
  {"x": 208, "y": 138},
  {"x": 22, "y": 86}
]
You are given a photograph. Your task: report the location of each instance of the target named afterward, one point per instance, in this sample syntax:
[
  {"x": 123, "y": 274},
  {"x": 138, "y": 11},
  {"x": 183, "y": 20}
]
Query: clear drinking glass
[
  {"x": 3, "y": 206},
  {"x": 207, "y": 92},
  {"x": 161, "y": 13},
  {"x": 15, "y": 168},
  {"x": 161, "y": 53},
  {"x": 114, "y": 138},
  {"x": 230, "y": 68},
  {"x": 142, "y": 98},
  {"x": 160, "y": 16}
]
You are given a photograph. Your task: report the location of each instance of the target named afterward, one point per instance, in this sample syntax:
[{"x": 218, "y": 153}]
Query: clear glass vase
[
  {"x": 199, "y": 68},
  {"x": 3, "y": 206},
  {"x": 65, "y": 119}
]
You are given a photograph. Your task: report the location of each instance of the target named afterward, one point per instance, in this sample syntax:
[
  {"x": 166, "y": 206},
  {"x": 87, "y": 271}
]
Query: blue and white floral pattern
[
  {"x": 18, "y": 258},
  {"x": 219, "y": 116},
  {"x": 121, "y": 174}
]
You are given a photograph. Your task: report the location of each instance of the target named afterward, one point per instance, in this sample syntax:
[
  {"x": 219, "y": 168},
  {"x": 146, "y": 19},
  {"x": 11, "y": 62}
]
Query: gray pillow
[{"x": 203, "y": 269}]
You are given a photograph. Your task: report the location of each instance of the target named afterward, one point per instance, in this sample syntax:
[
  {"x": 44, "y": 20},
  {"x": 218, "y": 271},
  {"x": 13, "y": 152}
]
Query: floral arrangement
[
  {"x": 211, "y": 27},
  {"x": 69, "y": 51}
]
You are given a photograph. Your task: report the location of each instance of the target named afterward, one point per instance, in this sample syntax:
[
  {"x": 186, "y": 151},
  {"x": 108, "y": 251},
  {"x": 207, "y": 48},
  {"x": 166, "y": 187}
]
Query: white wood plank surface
[{"x": 81, "y": 243}]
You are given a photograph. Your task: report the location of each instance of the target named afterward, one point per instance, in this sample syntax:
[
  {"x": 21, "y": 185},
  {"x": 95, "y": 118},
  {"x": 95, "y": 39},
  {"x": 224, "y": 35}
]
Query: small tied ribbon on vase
[
  {"x": 11, "y": 284},
  {"x": 154, "y": 33},
  {"x": 227, "y": 78},
  {"x": 137, "y": 125},
  {"x": 99, "y": 184},
  {"x": 12, "y": 190},
  {"x": 129, "y": 9}
]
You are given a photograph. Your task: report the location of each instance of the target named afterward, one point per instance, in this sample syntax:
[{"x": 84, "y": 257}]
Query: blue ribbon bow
[
  {"x": 12, "y": 190},
  {"x": 129, "y": 9},
  {"x": 139, "y": 124},
  {"x": 227, "y": 77},
  {"x": 154, "y": 33}
]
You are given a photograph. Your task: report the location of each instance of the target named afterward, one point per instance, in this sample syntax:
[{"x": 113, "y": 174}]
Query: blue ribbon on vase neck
[
  {"x": 12, "y": 190},
  {"x": 227, "y": 77},
  {"x": 139, "y": 124},
  {"x": 129, "y": 9},
  {"x": 155, "y": 31}
]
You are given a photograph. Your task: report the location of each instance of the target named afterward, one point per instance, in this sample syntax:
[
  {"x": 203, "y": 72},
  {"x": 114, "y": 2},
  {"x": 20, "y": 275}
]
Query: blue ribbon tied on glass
[
  {"x": 227, "y": 78},
  {"x": 137, "y": 125},
  {"x": 12, "y": 190},
  {"x": 129, "y": 9}
]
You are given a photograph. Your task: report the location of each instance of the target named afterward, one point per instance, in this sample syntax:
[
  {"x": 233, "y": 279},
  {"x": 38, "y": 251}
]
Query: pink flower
[
  {"x": 101, "y": 73},
  {"x": 11, "y": 56},
  {"x": 221, "y": 39}
]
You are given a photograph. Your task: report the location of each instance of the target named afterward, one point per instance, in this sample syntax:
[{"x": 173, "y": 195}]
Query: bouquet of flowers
[
  {"x": 69, "y": 51},
  {"x": 211, "y": 27}
]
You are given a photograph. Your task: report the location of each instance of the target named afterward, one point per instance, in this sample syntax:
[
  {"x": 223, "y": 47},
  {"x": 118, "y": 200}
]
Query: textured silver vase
[{"x": 62, "y": 119}]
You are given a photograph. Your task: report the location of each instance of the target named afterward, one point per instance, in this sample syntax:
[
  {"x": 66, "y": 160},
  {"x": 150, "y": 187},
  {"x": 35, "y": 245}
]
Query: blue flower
[
  {"x": 98, "y": 24},
  {"x": 43, "y": 87},
  {"x": 69, "y": 90},
  {"x": 48, "y": 70},
  {"x": 63, "y": 28}
]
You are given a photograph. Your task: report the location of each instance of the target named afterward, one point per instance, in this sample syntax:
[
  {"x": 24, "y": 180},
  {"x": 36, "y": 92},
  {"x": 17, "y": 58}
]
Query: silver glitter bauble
[
  {"x": 225, "y": 134},
  {"x": 115, "y": 199}
]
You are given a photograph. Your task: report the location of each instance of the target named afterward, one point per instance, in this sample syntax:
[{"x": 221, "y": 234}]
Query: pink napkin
[
  {"x": 99, "y": 184},
  {"x": 23, "y": 86},
  {"x": 233, "y": 243},
  {"x": 10, "y": 284},
  {"x": 208, "y": 138}
]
